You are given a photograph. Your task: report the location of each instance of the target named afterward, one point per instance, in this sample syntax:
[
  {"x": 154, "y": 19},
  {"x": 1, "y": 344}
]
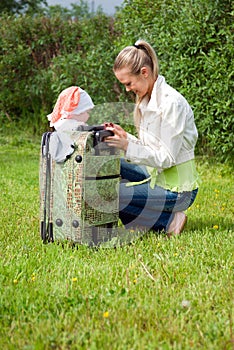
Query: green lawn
[{"x": 153, "y": 294}]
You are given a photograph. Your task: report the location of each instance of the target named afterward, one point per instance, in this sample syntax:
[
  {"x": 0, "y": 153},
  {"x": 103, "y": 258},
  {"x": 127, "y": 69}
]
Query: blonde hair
[{"x": 135, "y": 57}]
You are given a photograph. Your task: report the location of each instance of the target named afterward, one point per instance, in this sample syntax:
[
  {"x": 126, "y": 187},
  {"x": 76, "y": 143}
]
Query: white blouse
[{"x": 167, "y": 133}]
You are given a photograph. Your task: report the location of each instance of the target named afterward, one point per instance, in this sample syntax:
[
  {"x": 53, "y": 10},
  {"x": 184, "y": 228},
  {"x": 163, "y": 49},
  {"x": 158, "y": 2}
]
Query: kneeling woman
[{"x": 159, "y": 177}]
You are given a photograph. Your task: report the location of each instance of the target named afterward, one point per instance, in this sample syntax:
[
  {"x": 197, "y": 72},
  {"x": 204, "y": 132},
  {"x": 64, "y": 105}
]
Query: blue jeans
[{"x": 144, "y": 207}]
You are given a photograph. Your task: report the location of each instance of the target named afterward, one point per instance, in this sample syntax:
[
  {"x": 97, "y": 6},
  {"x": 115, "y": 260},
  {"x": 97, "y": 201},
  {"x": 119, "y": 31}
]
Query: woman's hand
[{"x": 119, "y": 140}]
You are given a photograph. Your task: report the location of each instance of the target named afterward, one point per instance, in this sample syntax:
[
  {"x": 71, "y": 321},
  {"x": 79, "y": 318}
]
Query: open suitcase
[{"x": 79, "y": 195}]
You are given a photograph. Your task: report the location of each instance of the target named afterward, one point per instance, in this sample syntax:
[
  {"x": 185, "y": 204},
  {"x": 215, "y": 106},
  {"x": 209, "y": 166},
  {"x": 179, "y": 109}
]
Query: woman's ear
[{"x": 145, "y": 71}]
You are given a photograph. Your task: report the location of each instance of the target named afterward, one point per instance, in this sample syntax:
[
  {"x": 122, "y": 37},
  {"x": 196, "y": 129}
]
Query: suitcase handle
[
  {"x": 102, "y": 134},
  {"x": 90, "y": 127},
  {"x": 94, "y": 127},
  {"x": 99, "y": 135}
]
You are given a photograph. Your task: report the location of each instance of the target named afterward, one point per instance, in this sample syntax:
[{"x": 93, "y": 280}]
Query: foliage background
[{"x": 43, "y": 53}]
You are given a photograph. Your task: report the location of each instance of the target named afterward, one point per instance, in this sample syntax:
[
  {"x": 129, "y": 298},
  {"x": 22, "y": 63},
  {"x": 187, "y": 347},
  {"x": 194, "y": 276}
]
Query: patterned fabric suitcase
[{"x": 79, "y": 197}]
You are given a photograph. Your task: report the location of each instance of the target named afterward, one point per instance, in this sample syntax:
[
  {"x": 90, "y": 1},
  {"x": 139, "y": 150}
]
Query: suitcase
[{"x": 79, "y": 196}]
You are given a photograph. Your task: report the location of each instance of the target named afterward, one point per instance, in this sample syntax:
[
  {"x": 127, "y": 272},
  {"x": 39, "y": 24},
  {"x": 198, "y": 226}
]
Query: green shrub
[{"x": 40, "y": 56}]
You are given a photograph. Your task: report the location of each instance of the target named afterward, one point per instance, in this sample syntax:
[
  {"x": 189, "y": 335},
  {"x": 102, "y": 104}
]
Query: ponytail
[{"x": 134, "y": 58}]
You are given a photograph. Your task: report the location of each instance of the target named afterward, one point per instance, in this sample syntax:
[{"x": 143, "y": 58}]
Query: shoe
[{"x": 177, "y": 224}]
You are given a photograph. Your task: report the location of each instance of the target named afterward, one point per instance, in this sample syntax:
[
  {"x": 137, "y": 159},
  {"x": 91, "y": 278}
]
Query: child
[{"x": 71, "y": 109}]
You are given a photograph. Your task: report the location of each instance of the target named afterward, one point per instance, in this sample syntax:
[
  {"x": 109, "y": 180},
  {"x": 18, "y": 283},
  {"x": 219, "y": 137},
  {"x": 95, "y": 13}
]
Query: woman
[{"x": 159, "y": 178}]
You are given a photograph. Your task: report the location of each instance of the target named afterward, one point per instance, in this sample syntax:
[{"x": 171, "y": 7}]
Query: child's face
[{"x": 82, "y": 117}]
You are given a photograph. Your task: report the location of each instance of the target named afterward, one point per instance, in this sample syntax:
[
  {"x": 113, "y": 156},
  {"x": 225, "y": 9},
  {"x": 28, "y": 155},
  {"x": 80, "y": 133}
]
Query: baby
[{"x": 71, "y": 109}]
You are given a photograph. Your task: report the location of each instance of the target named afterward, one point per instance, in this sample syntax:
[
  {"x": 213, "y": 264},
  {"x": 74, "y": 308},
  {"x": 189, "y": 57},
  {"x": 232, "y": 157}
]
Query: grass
[{"x": 153, "y": 294}]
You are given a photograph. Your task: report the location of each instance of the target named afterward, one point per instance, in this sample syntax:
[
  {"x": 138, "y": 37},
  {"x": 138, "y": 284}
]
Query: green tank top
[{"x": 179, "y": 178}]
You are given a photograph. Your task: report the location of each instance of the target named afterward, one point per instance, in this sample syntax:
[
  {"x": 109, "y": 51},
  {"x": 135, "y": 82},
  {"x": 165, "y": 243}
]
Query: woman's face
[{"x": 140, "y": 84}]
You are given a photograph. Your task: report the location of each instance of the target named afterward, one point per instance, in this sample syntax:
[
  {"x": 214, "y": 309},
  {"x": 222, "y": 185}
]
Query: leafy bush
[
  {"x": 40, "y": 56},
  {"x": 21, "y": 6},
  {"x": 89, "y": 64}
]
